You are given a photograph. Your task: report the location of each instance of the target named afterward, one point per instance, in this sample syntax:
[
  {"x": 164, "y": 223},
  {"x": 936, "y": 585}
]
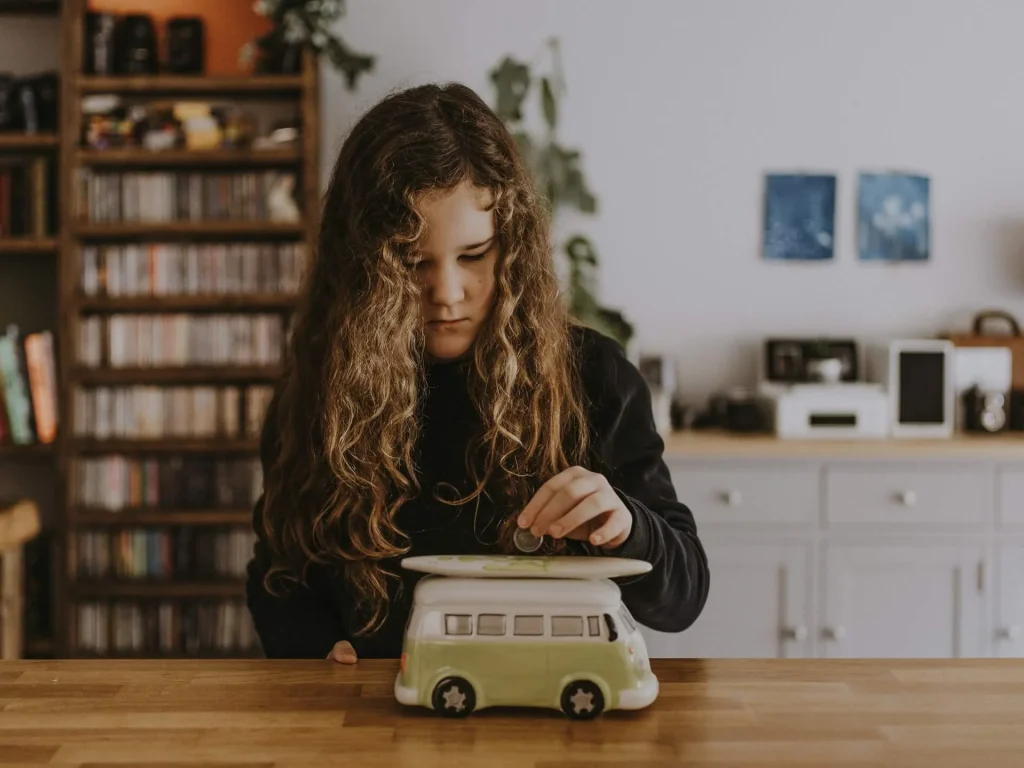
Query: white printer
[{"x": 810, "y": 388}]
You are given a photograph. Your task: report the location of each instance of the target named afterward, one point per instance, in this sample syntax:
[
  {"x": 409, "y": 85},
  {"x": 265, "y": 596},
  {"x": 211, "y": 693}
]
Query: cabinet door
[
  {"x": 758, "y": 605},
  {"x": 1009, "y": 604},
  {"x": 887, "y": 599}
]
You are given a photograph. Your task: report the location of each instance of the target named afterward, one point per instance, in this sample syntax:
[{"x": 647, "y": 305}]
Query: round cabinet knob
[
  {"x": 733, "y": 498},
  {"x": 1011, "y": 632},
  {"x": 908, "y": 498},
  {"x": 798, "y": 633},
  {"x": 835, "y": 633}
]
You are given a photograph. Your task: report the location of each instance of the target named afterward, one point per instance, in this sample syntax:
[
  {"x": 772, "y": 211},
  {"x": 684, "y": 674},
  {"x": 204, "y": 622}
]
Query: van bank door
[{"x": 519, "y": 673}]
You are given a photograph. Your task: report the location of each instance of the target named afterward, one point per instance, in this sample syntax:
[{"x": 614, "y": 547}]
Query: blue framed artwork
[
  {"x": 894, "y": 217},
  {"x": 800, "y": 217}
]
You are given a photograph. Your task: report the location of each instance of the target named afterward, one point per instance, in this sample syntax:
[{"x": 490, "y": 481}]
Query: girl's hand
[
  {"x": 343, "y": 653},
  {"x": 581, "y": 505}
]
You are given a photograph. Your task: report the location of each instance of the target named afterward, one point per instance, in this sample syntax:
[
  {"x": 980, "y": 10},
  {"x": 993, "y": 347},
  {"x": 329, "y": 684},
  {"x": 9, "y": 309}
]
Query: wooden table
[{"x": 275, "y": 713}]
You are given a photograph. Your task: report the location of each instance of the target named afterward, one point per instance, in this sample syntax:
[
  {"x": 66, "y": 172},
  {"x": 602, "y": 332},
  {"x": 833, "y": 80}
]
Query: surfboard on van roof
[{"x": 527, "y": 567}]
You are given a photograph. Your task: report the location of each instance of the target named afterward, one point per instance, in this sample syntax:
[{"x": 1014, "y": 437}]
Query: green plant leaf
[
  {"x": 549, "y": 104},
  {"x": 351, "y": 64},
  {"x": 511, "y": 78}
]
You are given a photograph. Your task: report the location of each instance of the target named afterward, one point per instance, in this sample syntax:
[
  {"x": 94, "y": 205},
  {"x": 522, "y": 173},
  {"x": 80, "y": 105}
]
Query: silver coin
[{"x": 525, "y": 540}]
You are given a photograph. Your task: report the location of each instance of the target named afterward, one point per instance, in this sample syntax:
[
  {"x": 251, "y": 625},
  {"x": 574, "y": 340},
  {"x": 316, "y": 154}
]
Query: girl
[{"x": 437, "y": 398}]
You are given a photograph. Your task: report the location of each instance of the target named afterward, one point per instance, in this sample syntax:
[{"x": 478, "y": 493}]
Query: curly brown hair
[{"x": 347, "y": 408}]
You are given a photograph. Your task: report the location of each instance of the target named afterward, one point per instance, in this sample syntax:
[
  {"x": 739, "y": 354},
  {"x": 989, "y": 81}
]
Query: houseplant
[
  {"x": 305, "y": 24},
  {"x": 559, "y": 176}
]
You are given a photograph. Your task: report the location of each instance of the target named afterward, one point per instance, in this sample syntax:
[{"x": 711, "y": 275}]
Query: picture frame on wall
[
  {"x": 799, "y": 217},
  {"x": 894, "y": 217}
]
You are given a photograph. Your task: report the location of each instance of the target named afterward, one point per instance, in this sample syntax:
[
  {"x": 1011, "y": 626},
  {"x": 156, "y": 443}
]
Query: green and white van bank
[{"x": 549, "y": 632}]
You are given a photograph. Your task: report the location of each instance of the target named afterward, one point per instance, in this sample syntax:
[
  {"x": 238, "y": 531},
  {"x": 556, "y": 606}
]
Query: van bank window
[
  {"x": 565, "y": 626},
  {"x": 529, "y": 625},
  {"x": 490, "y": 624},
  {"x": 458, "y": 624}
]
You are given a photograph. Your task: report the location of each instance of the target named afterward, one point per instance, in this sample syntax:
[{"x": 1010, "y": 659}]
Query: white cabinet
[
  {"x": 817, "y": 555},
  {"x": 887, "y": 599},
  {"x": 759, "y": 603},
  {"x": 1008, "y": 619},
  {"x": 1011, "y": 497},
  {"x": 739, "y": 496}
]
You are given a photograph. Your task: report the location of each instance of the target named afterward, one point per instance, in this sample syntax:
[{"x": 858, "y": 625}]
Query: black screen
[{"x": 922, "y": 387}]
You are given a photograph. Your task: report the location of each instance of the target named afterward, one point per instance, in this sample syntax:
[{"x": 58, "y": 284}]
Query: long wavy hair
[{"x": 346, "y": 413}]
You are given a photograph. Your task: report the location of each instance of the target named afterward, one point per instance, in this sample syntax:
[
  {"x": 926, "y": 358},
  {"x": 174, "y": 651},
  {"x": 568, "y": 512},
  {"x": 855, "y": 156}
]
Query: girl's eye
[{"x": 473, "y": 256}]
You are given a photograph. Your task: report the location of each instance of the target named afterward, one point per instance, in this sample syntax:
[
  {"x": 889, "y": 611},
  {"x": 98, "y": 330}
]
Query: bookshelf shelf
[
  {"x": 288, "y": 85},
  {"x": 188, "y": 229},
  {"x": 189, "y": 158},
  {"x": 20, "y": 142},
  {"x": 158, "y": 589},
  {"x": 253, "y": 302},
  {"x": 143, "y": 516},
  {"x": 185, "y": 375},
  {"x": 29, "y": 7},
  {"x": 212, "y": 445},
  {"x": 34, "y": 450},
  {"x": 28, "y": 245}
]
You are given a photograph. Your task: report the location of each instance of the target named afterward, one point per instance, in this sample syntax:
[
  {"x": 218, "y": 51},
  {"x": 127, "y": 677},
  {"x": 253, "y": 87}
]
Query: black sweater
[{"x": 307, "y": 621}]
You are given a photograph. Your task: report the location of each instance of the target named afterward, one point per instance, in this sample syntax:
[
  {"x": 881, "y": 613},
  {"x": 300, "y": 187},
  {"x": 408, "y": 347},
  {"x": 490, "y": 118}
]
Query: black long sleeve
[
  {"x": 298, "y": 624},
  {"x": 672, "y": 595},
  {"x": 301, "y": 622}
]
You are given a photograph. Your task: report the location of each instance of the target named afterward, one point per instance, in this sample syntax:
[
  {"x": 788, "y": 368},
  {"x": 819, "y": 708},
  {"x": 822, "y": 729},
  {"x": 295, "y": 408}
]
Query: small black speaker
[
  {"x": 1017, "y": 410},
  {"x": 8, "y": 102},
  {"x": 186, "y": 45},
  {"x": 100, "y": 47},
  {"x": 138, "y": 45},
  {"x": 45, "y": 88}
]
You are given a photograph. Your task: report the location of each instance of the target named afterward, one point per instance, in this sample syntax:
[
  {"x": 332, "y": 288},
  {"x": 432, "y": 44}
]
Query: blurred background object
[{"x": 19, "y": 525}]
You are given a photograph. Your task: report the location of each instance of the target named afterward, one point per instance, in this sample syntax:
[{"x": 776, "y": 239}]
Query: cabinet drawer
[
  {"x": 766, "y": 494},
  {"x": 1011, "y": 496},
  {"x": 897, "y": 496}
]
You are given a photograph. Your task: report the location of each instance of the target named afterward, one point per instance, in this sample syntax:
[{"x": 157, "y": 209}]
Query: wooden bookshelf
[
  {"x": 299, "y": 93},
  {"x": 33, "y": 450},
  {"x": 151, "y": 589},
  {"x": 188, "y": 230},
  {"x": 211, "y": 445},
  {"x": 28, "y": 245},
  {"x": 255, "y": 302},
  {"x": 172, "y": 158},
  {"x": 145, "y": 516},
  {"x": 27, "y": 142},
  {"x": 163, "y": 85},
  {"x": 183, "y": 375},
  {"x": 29, "y": 7}
]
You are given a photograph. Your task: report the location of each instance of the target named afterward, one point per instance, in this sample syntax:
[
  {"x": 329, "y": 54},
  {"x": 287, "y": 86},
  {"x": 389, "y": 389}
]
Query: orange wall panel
[{"x": 230, "y": 24}]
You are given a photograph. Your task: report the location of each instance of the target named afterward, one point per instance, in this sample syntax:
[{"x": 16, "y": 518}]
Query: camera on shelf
[{"x": 985, "y": 410}]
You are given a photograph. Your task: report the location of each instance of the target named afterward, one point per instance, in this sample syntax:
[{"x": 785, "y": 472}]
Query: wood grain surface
[
  {"x": 1007, "y": 446},
  {"x": 710, "y": 712}
]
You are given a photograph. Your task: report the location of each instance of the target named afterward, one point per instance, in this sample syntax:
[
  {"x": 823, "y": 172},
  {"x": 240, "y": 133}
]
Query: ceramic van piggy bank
[{"x": 552, "y": 632}]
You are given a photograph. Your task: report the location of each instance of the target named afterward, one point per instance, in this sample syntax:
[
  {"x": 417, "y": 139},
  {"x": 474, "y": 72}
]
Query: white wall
[
  {"x": 680, "y": 107},
  {"x": 29, "y": 44}
]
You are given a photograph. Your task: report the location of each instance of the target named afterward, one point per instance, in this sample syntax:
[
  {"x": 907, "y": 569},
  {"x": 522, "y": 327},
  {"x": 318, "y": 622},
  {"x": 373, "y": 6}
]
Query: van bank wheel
[
  {"x": 582, "y": 700},
  {"x": 453, "y": 697}
]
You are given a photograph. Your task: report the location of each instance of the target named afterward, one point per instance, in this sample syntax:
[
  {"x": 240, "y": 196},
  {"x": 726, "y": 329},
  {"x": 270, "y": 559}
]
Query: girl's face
[{"x": 455, "y": 265}]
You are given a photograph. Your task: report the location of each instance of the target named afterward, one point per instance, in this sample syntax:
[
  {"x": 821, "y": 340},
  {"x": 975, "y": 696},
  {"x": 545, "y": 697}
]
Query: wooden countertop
[
  {"x": 312, "y": 713},
  {"x": 1008, "y": 446}
]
